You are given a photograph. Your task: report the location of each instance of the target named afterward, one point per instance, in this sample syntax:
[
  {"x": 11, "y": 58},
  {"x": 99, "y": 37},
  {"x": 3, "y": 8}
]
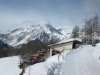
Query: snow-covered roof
[
  {"x": 67, "y": 40},
  {"x": 35, "y": 55},
  {"x": 72, "y": 39}
]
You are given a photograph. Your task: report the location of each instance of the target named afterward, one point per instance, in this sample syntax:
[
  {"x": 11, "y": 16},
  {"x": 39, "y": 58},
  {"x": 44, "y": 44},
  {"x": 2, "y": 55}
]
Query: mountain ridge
[{"x": 42, "y": 31}]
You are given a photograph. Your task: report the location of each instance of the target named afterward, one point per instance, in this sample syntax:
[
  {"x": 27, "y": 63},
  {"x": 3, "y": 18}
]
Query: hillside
[{"x": 66, "y": 32}]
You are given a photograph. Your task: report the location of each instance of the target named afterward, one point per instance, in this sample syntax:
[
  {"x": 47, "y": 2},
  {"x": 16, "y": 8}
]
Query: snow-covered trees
[
  {"x": 91, "y": 30},
  {"x": 90, "y": 33},
  {"x": 75, "y": 32}
]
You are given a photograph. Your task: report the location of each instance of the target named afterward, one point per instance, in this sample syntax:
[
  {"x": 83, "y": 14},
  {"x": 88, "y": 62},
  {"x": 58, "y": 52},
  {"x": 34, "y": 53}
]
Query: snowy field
[
  {"x": 9, "y": 66},
  {"x": 82, "y": 61}
]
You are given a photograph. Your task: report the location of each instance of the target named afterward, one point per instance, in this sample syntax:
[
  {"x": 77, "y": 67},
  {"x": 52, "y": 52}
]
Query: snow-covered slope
[
  {"x": 9, "y": 66},
  {"x": 66, "y": 32},
  {"x": 82, "y": 61},
  {"x": 42, "y": 31}
]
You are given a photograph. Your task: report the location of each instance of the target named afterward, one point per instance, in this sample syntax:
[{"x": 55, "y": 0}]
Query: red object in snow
[{"x": 35, "y": 59}]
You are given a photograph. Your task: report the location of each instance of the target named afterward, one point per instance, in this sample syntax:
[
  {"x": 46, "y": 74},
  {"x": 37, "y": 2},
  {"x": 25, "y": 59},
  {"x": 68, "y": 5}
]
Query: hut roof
[{"x": 66, "y": 41}]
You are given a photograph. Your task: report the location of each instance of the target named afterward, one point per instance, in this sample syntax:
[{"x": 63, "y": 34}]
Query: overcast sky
[{"x": 60, "y": 13}]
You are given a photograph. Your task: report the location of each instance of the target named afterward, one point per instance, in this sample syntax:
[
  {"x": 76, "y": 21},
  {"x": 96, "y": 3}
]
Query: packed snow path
[{"x": 83, "y": 61}]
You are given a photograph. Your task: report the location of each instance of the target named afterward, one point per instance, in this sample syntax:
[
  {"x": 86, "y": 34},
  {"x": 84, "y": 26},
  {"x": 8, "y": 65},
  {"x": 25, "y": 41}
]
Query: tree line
[{"x": 90, "y": 32}]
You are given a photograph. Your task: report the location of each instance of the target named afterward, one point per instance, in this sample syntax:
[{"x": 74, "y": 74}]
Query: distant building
[{"x": 64, "y": 45}]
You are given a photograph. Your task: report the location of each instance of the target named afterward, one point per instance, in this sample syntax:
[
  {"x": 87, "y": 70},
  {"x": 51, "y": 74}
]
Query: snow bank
[
  {"x": 44, "y": 68},
  {"x": 36, "y": 69},
  {"x": 50, "y": 67},
  {"x": 55, "y": 57}
]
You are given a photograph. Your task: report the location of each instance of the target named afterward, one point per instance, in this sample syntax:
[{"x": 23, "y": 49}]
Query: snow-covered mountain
[
  {"x": 66, "y": 32},
  {"x": 42, "y": 31}
]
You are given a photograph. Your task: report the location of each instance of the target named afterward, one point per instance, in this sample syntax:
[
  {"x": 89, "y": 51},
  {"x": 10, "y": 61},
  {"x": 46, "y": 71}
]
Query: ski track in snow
[{"x": 82, "y": 61}]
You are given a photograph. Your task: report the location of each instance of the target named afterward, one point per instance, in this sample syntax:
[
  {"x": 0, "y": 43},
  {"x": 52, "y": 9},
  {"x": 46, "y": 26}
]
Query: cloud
[
  {"x": 61, "y": 13},
  {"x": 91, "y": 7},
  {"x": 9, "y": 18},
  {"x": 78, "y": 12}
]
